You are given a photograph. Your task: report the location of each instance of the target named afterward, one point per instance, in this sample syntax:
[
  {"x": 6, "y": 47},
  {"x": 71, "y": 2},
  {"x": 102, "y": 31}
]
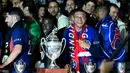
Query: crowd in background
[{"x": 71, "y": 18}]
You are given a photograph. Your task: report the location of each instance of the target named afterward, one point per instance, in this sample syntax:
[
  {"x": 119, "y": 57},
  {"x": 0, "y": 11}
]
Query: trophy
[
  {"x": 121, "y": 67},
  {"x": 20, "y": 66},
  {"x": 52, "y": 47},
  {"x": 90, "y": 67}
]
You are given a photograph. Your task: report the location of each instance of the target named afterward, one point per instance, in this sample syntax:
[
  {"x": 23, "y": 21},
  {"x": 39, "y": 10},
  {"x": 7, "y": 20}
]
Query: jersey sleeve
[
  {"x": 17, "y": 36},
  {"x": 95, "y": 49}
]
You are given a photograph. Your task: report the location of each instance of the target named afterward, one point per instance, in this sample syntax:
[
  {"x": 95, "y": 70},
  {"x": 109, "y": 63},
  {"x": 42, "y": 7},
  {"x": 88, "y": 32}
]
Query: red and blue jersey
[
  {"x": 110, "y": 39},
  {"x": 20, "y": 36},
  {"x": 90, "y": 36}
]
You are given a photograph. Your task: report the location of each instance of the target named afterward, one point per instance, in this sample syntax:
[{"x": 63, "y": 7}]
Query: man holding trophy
[
  {"x": 83, "y": 43},
  {"x": 16, "y": 43}
]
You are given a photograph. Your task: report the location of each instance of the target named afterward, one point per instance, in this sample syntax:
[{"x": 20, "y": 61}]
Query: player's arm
[{"x": 15, "y": 52}]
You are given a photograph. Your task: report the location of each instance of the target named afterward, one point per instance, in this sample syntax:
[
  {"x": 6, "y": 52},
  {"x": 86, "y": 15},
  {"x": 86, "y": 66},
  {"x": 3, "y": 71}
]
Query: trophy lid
[{"x": 52, "y": 36}]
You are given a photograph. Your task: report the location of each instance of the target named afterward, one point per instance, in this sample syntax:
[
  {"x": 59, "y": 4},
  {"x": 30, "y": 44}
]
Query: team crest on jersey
[
  {"x": 115, "y": 38},
  {"x": 73, "y": 64},
  {"x": 84, "y": 35}
]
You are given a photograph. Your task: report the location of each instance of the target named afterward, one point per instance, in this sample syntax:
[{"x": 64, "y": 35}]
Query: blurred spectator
[
  {"x": 54, "y": 9},
  {"x": 17, "y": 3},
  {"x": 41, "y": 13},
  {"x": 5, "y": 3},
  {"x": 48, "y": 24},
  {"x": 124, "y": 9},
  {"x": 89, "y": 8},
  {"x": 99, "y": 2},
  {"x": 70, "y": 5},
  {"x": 33, "y": 29},
  {"x": 5, "y": 6}
]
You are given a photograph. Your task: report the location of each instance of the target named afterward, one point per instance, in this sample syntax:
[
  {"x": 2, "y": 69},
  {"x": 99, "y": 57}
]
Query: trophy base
[
  {"x": 53, "y": 66},
  {"x": 48, "y": 70}
]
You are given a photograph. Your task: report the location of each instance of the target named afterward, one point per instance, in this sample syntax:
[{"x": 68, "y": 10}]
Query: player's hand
[
  {"x": 106, "y": 66},
  {"x": 83, "y": 44}
]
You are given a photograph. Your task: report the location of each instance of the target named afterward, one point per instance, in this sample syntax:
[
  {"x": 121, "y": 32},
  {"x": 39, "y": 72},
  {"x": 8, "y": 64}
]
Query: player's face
[
  {"x": 79, "y": 19},
  {"x": 113, "y": 12},
  {"x": 9, "y": 20},
  {"x": 47, "y": 26},
  {"x": 53, "y": 8}
]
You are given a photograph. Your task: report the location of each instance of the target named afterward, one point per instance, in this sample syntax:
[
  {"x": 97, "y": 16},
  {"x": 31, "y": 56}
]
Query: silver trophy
[
  {"x": 121, "y": 67},
  {"x": 90, "y": 67},
  {"x": 20, "y": 66},
  {"x": 53, "y": 47}
]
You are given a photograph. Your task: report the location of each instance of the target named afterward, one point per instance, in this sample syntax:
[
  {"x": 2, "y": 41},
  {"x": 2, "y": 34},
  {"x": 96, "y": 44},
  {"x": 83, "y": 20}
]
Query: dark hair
[
  {"x": 75, "y": 1},
  {"x": 78, "y": 10},
  {"x": 86, "y": 1},
  {"x": 30, "y": 4},
  {"x": 39, "y": 6},
  {"x": 53, "y": 1},
  {"x": 104, "y": 8},
  {"x": 114, "y": 5},
  {"x": 16, "y": 11},
  {"x": 32, "y": 7},
  {"x": 72, "y": 12},
  {"x": 50, "y": 17}
]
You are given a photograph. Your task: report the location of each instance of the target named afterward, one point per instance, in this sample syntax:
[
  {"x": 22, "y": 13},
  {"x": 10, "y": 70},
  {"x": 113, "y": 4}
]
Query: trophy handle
[
  {"x": 63, "y": 39},
  {"x": 43, "y": 43},
  {"x": 95, "y": 66},
  {"x": 85, "y": 67},
  {"x": 121, "y": 68}
]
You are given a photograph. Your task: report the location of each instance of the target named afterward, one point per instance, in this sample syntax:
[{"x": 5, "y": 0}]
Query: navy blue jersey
[
  {"x": 20, "y": 36},
  {"x": 110, "y": 39}
]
